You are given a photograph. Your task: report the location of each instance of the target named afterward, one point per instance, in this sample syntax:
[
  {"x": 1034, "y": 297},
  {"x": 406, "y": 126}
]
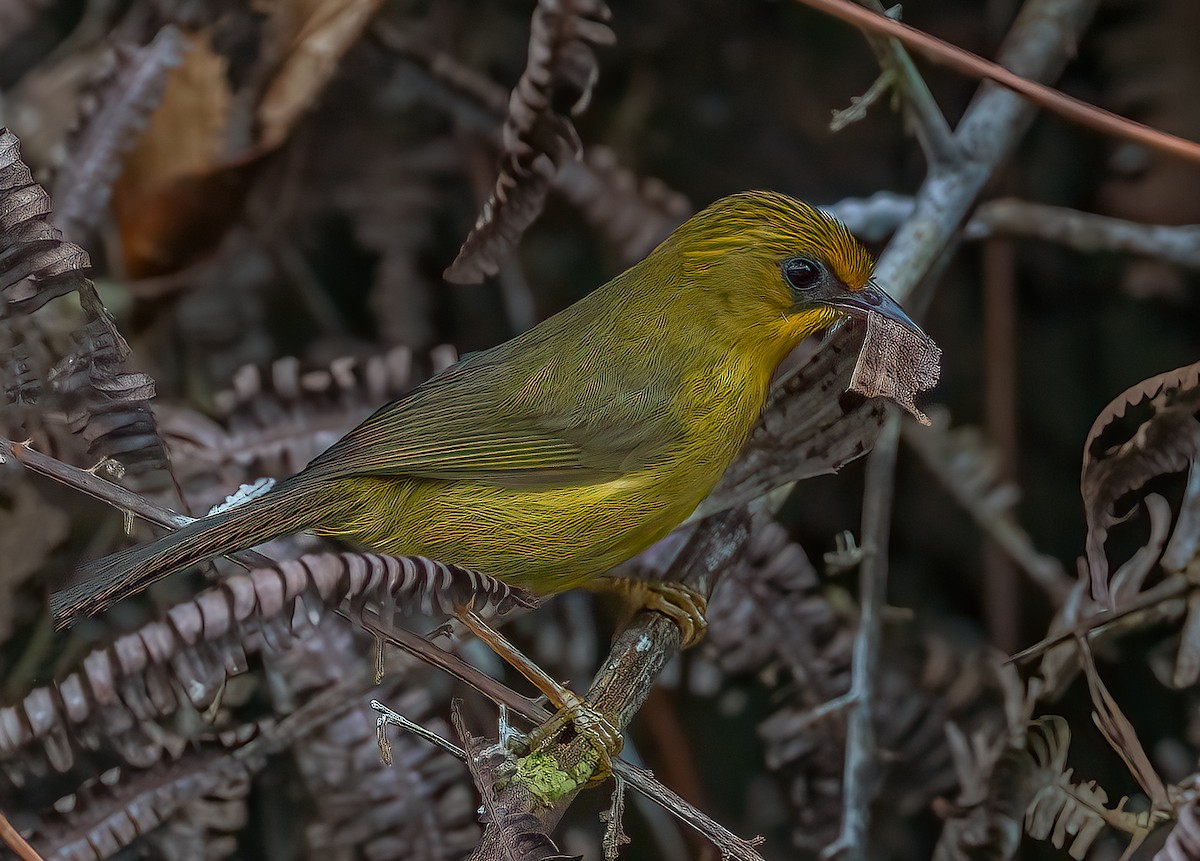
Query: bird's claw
[
  {"x": 589, "y": 723},
  {"x": 681, "y": 604}
]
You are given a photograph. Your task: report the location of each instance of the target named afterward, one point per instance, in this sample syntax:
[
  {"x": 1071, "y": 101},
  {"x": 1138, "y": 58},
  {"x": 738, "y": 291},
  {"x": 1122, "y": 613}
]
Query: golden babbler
[{"x": 549, "y": 459}]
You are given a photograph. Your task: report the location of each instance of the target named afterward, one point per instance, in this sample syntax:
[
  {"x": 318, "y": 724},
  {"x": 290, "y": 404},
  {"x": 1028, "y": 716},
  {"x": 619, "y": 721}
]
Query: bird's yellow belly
[{"x": 546, "y": 541}]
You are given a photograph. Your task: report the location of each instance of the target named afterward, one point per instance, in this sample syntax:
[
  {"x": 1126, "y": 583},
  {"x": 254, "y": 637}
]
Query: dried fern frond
[
  {"x": 191, "y": 652},
  {"x": 122, "y": 97},
  {"x": 1169, "y": 441},
  {"x": 631, "y": 212},
  {"x": 103, "y": 816},
  {"x": 107, "y": 404},
  {"x": 1002, "y": 784},
  {"x": 538, "y": 134},
  {"x": 1070, "y": 814},
  {"x": 273, "y": 423}
]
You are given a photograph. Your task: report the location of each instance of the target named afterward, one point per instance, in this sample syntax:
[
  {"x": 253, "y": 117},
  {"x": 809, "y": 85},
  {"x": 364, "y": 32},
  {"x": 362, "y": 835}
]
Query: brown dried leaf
[
  {"x": 317, "y": 33},
  {"x": 177, "y": 169},
  {"x": 896, "y": 362},
  {"x": 185, "y": 134},
  {"x": 1169, "y": 441},
  {"x": 539, "y": 136}
]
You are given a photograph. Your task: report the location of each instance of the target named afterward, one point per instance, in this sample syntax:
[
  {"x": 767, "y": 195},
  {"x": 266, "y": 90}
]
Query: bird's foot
[
  {"x": 589, "y": 723},
  {"x": 682, "y": 604}
]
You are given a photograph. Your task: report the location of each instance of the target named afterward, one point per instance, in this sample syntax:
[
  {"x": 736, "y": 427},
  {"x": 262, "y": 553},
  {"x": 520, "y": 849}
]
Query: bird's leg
[
  {"x": 682, "y": 604},
  {"x": 589, "y": 723}
]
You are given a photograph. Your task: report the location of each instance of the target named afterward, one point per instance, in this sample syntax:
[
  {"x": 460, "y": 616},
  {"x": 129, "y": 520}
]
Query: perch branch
[
  {"x": 730, "y": 845},
  {"x": 118, "y": 497}
]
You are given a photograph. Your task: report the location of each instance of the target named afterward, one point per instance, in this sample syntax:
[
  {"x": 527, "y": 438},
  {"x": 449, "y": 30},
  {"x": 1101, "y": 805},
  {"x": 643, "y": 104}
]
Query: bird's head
[{"x": 785, "y": 267}]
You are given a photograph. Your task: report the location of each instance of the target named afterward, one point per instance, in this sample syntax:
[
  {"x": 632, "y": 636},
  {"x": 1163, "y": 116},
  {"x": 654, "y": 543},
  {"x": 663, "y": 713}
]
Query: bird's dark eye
[{"x": 802, "y": 272}]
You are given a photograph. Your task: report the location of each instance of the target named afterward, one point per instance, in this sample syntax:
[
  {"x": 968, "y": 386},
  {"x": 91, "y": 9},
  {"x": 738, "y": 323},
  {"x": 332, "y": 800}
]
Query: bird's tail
[{"x": 100, "y": 584}]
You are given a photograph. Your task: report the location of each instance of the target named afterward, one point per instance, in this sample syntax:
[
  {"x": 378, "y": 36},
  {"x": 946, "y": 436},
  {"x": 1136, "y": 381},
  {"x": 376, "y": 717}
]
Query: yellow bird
[{"x": 549, "y": 459}]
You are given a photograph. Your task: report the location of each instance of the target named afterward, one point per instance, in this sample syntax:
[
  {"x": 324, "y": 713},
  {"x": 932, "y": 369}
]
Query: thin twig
[
  {"x": 91, "y": 484},
  {"x": 819, "y": 713},
  {"x": 391, "y": 717},
  {"x": 1093, "y": 626},
  {"x": 1049, "y": 98},
  {"x": 920, "y": 108},
  {"x": 14, "y": 841},
  {"x": 643, "y": 781},
  {"x": 860, "y": 770},
  {"x": 118, "y": 497},
  {"x": 995, "y": 121}
]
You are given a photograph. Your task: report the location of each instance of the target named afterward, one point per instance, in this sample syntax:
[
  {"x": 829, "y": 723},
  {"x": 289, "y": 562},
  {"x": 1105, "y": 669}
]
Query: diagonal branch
[
  {"x": 1053, "y": 100},
  {"x": 1036, "y": 47},
  {"x": 729, "y": 844},
  {"x": 920, "y": 108}
]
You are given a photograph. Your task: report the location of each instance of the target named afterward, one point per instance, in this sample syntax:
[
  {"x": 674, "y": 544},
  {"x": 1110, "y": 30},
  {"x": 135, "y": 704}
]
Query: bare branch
[
  {"x": 858, "y": 784},
  {"x": 1085, "y": 231},
  {"x": 1045, "y": 97},
  {"x": 920, "y": 108}
]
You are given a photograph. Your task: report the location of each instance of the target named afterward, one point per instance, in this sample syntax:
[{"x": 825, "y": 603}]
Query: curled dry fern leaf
[
  {"x": 106, "y": 403},
  {"x": 1167, "y": 442},
  {"x": 123, "y": 95},
  {"x": 1071, "y": 814},
  {"x": 539, "y": 136}
]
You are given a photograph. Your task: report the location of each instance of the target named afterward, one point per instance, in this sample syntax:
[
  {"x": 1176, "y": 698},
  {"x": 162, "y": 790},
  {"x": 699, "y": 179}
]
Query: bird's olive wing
[{"x": 476, "y": 423}]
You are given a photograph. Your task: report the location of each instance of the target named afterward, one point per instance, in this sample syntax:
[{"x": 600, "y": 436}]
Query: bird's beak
[{"x": 871, "y": 299}]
